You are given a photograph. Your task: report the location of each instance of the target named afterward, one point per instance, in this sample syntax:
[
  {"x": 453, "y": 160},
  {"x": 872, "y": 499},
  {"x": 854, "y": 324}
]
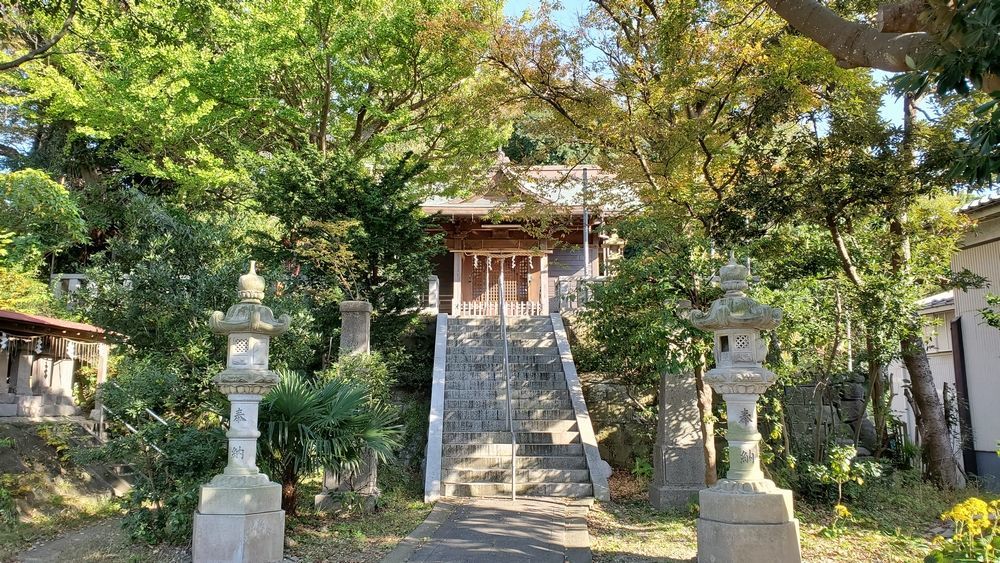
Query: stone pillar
[
  {"x": 355, "y": 327},
  {"x": 433, "y": 295},
  {"x": 679, "y": 454},
  {"x": 456, "y": 284},
  {"x": 355, "y": 338},
  {"x": 239, "y": 516},
  {"x": 543, "y": 275},
  {"x": 743, "y": 517}
]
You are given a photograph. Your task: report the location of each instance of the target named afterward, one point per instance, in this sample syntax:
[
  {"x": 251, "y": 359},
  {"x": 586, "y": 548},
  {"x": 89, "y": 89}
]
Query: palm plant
[{"x": 310, "y": 425}]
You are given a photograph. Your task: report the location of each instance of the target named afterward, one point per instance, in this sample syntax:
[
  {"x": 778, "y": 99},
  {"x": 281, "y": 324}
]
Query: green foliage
[
  {"x": 307, "y": 426},
  {"x": 630, "y": 328},
  {"x": 8, "y": 509},
  {"x": 187, "y": 96},
  {"x": 991, "y": 314},
  {"x": 841, "y": 468},
  {"x": 976, "y": 536},
  {"x": 58, "y": 436},
  {"x": 410, "y": 355},
  {"x": 967, "y": 55},
  {"x": 40, "y": 213},
  {"x": 368, "y": 370},
  {"x": 164, "y": 497},
  {"x": 167, "y": 269},
  {"x": 38, "y": 217},
  {"x": 643, "y": 469},
  {"x": 355, "y": 235}
]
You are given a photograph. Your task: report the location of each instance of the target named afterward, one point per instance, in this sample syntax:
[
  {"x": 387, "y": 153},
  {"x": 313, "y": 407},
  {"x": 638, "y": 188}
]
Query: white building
[{"x": 964, "y": 352}]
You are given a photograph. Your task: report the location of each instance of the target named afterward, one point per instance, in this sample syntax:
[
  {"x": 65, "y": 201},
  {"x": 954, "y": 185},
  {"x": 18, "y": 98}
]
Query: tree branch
[
  {"x": 852, "y": 44},
  {"x": 44, "y": 47}
]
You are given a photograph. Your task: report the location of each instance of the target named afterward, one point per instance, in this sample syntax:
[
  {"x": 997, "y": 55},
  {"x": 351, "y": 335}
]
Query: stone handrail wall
[{"x": 435, "y": 432}]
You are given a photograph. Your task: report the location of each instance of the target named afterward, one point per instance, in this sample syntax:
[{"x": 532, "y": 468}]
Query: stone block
[
  {"x": 746, "y": 508},
  {"x": 672, "y": 496},
  {"x": 216, "y": 499},
  {"x": 29, "y": 405},
  {"x": 8, "y": 409},
  {"x": 333, "y": 502},
  {"x": 239, "y": 538},
  {"x": 724, "y": 542},
  {"x": 747, "y": 527},
  {"x": 678, "y": 455}
]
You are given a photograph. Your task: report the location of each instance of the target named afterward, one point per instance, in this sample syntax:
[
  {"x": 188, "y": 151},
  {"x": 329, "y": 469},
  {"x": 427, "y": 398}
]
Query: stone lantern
[
  {"x": 239, "y": 516},
  {"x": 743, "y": 517}
]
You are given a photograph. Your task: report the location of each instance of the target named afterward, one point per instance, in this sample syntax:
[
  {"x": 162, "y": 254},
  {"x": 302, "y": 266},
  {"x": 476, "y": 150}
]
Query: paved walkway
[{"x": 537, "y": 530}]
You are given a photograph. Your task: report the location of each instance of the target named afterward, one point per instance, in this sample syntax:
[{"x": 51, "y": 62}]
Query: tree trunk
[
  {"x": 933, "y": 428},
  {"x": 707, "y": 424},
  {"x": 289, "y": 491}
]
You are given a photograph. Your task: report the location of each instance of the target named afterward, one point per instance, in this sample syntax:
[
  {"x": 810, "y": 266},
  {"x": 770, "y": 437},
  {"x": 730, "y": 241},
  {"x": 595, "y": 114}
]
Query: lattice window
[
  {"x": 242, "y": 346},
  {"x": 486, "y": 283},
  {"x": 741, "y": 342}
]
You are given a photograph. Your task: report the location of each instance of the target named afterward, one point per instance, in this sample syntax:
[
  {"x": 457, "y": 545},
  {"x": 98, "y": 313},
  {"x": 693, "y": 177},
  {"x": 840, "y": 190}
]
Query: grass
[
  {"x": 59, "y": 509},
  {"x": 356, "y": 537},
  {"x": 891, "y": 522},
  {"x": 42, "y": 495}
]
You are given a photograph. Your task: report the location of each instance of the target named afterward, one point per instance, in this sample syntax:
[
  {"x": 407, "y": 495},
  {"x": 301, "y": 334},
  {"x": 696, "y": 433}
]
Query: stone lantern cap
[
  {"x": 249, "y": 315},
  {"x": 735, "y": 310}
]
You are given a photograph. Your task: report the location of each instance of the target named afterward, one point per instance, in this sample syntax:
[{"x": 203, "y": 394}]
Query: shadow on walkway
[{"x": 537, "y": 530}]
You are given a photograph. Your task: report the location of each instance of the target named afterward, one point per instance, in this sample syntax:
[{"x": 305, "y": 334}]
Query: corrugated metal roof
[{"x": 987, "y": 200}]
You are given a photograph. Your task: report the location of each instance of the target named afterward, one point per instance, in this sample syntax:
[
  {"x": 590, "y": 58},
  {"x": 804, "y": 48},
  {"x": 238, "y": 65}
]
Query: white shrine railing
[{"x": 488, "y": 309}]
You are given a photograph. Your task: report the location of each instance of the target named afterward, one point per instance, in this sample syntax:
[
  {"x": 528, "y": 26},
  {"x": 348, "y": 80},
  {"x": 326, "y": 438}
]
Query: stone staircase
[{"x": 476, "y": 444}]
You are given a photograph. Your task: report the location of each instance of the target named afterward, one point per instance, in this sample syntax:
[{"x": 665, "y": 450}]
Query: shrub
[
  {"x": 975, "y": 539},
  {"x": 839, "y": 470},
  {"x": 307, "y": 426},
  {"x": 165, "y": 487},
  {"x": 369, "y": 370}
]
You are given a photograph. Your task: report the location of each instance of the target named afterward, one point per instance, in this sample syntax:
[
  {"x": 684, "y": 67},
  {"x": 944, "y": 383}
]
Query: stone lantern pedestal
[
  {"x": 744, "y": 517},
  {"x": 239, "y": 516}
]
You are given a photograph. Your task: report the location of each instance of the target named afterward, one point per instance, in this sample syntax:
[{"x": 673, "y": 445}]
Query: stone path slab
[{"x": 535, "y": 530}]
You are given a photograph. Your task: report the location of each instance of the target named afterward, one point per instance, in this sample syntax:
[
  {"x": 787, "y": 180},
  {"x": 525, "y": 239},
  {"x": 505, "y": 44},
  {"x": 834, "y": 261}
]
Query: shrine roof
[
  {"x": 13, "y": 321},
  {"x": 513, "y": 188}
]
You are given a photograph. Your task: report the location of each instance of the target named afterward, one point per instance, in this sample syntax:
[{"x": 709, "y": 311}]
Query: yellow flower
[{"x": 841, "y": 511}]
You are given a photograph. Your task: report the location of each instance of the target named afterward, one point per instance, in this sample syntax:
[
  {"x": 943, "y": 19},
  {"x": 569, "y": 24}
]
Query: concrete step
[
  {"x": 523, "y": 475},
  {"x": 457, "y": 382},
  {"x": 573, "y": 490},
  {"x": 501, "y": 414},
  {"x": 492, "y": 340},
  {"x": 529, "y": 360},
  {"x": 493, "y": 321},
  {"x": 519, "y": 425},
  {"x": 501, "y": 437},
  {"x": 516, "y": 378},
  {"x": 450, "y": 404},
  {"x": 500, "y": 394},
  {"x": 498, "y": 368},
  {"x": 523, "y": 462},
  {"x": 494, "y": 332},
  {"x": 512, "y": 352},
  {"x": 502, "y": 450},
  {"x": 496, "y": 360}
]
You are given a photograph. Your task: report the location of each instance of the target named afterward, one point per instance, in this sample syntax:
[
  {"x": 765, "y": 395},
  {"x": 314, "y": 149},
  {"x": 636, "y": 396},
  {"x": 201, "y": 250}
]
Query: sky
[{"x": 568, "y": 15}]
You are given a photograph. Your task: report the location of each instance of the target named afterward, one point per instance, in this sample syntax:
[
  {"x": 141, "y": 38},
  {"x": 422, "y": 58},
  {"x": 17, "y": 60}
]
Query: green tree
[
  {"x": 187, "y": 97},
  {"x": 353, "y": 234},
  {"x": 887, "y": 216},
  {"x": 307, "y": 426},
  {"x": 39, "y": 218}
]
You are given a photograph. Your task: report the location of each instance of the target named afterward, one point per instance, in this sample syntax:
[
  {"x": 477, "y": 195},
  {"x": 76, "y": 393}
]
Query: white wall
[{"x": 981, "y": 255}]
